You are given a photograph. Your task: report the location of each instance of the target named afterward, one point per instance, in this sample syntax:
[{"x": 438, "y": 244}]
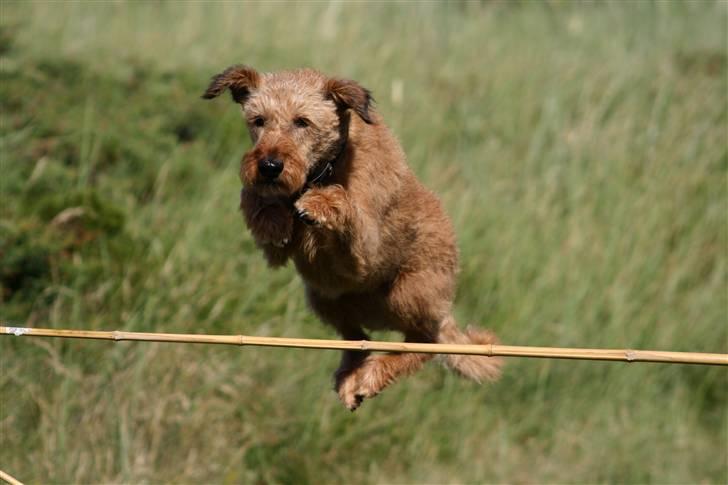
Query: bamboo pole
[
  {"x": 490, "y": 350},
  {"x": 9, "y": 479}
]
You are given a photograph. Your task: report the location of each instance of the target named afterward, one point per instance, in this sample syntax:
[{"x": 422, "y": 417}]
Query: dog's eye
[
  {"x": 301, "y": 122},
  {"x": 259, "y": 121}
]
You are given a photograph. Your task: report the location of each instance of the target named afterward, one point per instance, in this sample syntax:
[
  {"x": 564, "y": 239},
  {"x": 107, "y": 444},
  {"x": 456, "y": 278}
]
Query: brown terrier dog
[{"x": 333, "y": 192}]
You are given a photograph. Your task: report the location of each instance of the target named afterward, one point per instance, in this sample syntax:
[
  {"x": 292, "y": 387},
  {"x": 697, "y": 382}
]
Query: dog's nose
[{"x": 270, "y": 167}]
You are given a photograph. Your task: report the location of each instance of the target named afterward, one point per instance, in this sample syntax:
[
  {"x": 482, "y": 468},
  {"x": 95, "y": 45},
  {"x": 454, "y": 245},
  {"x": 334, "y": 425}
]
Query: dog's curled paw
[
  {"x": 303, "y": 216},
  {"x": 324, "y": 206}
]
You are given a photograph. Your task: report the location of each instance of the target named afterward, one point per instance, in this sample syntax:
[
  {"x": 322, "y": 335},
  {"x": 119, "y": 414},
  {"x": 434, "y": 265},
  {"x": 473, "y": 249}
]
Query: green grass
[{"x": 579, "y": 147}]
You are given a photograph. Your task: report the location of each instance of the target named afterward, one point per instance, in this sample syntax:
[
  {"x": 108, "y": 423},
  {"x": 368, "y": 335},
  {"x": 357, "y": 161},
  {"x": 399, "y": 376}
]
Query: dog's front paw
[
  {"x": 325, "y": 207},
  {"x": 362, "y": 382}
]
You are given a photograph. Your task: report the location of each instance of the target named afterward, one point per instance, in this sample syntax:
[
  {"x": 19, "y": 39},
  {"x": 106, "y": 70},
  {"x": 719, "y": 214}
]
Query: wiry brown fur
[{"x": 373, "y": 246}]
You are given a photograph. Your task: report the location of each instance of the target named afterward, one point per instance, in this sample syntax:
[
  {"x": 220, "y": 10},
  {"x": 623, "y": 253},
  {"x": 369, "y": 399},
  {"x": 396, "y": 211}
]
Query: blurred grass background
[{"x": 579, "y": 147}]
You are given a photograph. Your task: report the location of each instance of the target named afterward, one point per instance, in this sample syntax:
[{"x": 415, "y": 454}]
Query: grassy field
[{"x": 580, "y": 149}]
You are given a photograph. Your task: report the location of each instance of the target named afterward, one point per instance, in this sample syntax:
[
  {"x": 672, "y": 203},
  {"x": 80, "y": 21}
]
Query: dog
[{"x": 326, "y": 185}]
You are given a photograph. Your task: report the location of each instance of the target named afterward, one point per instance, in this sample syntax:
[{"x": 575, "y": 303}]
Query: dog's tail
[{"x": 475, "y": 367}]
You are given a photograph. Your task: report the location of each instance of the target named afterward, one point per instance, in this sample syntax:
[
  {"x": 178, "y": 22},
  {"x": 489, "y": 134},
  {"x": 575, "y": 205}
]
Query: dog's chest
[{"x": 324, "y": 263}]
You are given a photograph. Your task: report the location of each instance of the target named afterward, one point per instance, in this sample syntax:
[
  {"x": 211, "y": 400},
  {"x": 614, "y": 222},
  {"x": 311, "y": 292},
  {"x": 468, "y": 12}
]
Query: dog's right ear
[{"x": 241, "y": 80}]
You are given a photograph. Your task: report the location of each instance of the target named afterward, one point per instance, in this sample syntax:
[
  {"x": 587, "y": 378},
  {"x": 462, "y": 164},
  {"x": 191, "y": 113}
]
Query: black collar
[
  {"x": 324, "y": 170},
  {"x": 320, "y": 175}
]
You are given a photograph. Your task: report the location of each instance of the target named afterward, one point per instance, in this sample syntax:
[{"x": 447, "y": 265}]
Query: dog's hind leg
[
  {"x": 375, "y": 372},
  {"x": 350, "y": 359}
]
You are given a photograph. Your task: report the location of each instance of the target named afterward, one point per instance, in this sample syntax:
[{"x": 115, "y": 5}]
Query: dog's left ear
[
  {"x": 351, "y": 95},
  {"x": 241, "y": 80}
]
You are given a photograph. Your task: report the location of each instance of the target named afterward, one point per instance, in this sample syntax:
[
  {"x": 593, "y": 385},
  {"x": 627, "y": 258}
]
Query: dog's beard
[{"x": 273, "y": 190}]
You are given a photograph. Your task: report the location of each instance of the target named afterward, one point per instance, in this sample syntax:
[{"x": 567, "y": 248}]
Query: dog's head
[{"x": 296, "y": 119}]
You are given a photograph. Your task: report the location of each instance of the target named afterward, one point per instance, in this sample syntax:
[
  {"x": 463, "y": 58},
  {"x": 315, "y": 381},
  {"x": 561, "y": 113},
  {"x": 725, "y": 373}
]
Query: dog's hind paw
[
  {"x": 363, "y": 382},
  {"x": 352, "y": 399}
]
